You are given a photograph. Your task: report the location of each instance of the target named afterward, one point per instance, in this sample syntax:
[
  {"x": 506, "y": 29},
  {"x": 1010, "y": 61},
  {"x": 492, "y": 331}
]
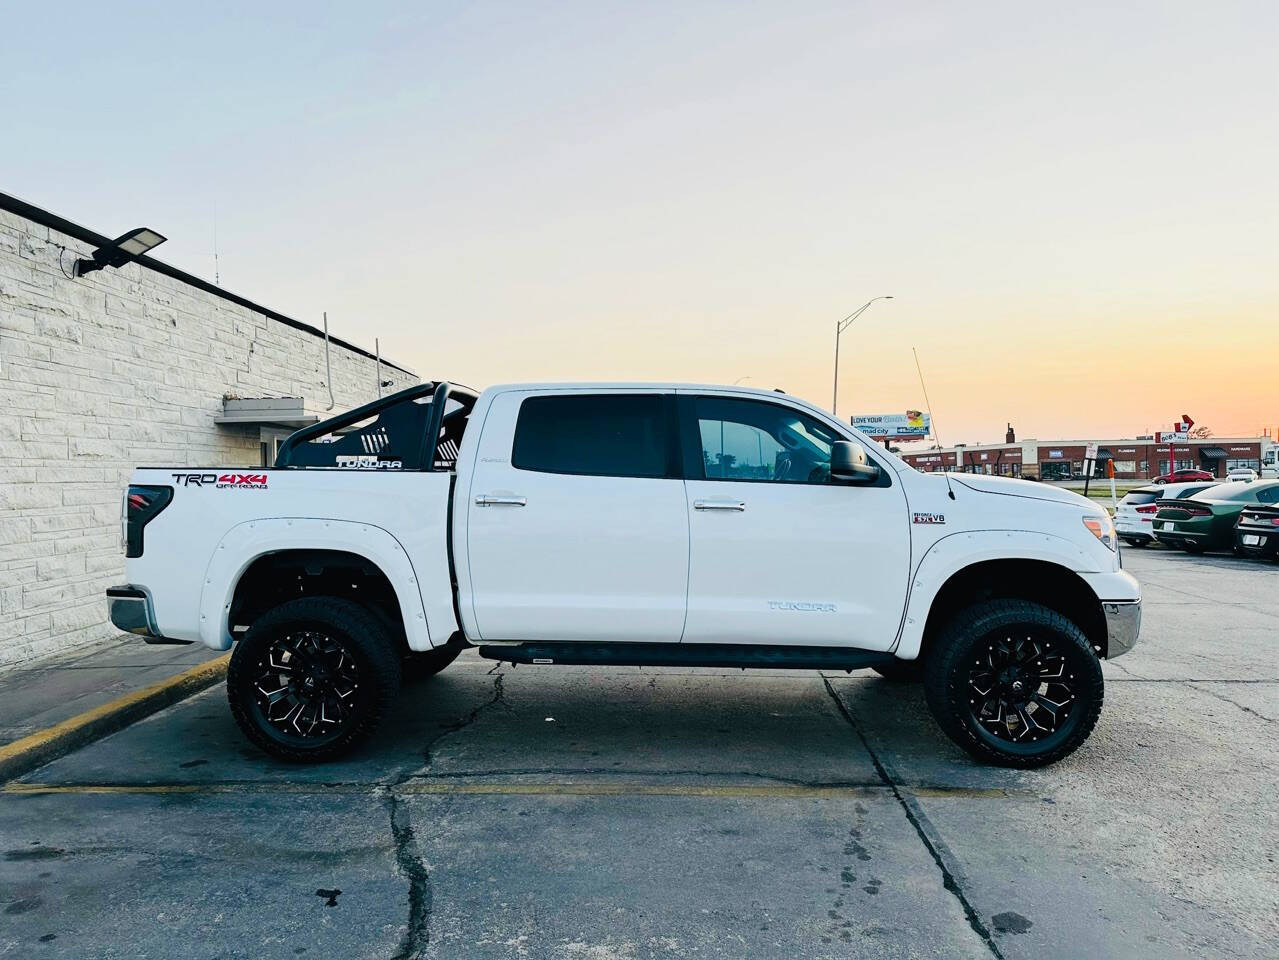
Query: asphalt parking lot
[{"x": 626, "y": 813}]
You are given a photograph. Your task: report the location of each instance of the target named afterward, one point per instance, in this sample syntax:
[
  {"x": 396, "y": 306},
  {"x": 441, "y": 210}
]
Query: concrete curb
[{"x": 23, "y": 756}]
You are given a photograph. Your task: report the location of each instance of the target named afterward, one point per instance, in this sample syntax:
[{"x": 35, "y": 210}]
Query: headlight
[{"x": 1103, "y": 528}]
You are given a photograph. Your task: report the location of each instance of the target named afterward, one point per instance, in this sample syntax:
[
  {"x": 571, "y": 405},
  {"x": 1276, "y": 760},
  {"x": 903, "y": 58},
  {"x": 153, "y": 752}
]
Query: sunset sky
[{"x": 1075, "y": 207}]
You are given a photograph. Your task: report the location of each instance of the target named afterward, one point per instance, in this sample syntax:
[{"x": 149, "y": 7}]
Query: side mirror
[{"x": 849, "y": 463}]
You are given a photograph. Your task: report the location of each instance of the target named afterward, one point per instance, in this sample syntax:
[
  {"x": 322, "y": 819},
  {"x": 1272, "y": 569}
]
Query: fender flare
[
  {"x": 246, "y": 542},
  {"x": 953, "y": 553}
]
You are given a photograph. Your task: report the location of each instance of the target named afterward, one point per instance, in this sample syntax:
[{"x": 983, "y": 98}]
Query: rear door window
[{"x": 594, "y": 435}]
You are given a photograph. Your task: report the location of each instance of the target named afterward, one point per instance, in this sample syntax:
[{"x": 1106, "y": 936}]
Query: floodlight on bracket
[{"x": 123, "y": 249}]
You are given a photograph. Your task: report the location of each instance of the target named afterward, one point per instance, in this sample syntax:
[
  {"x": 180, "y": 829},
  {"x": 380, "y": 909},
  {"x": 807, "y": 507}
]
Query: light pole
[{"x": 840, "y": 328}]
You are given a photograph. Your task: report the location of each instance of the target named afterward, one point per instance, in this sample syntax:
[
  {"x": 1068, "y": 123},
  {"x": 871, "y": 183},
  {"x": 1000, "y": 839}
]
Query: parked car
[
  {"x": 1257, "y": 531},
  {"x": 1136, "y": 511},
  {"x": 623, "y": 524},
  {"x": 1184, "y": 476},
  {"x": 1242, "y": 475},
  {"x": 1206, "y": 521}
]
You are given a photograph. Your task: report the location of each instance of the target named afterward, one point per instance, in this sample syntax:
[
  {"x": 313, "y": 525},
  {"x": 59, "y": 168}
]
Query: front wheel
[
  {"x": 1014, "y": 683},
  {"x": 313, "y": 678}
]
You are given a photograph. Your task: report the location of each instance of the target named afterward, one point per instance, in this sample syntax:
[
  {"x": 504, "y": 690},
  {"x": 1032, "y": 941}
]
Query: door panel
[
  {"x": 778, "y": 554},
  {"x": 570, "y": 556}
]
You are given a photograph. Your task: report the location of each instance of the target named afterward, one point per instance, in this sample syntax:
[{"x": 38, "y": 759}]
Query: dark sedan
[
  {"x": 1257, "y": 531},
  {"x": 1206, "y": 521}
]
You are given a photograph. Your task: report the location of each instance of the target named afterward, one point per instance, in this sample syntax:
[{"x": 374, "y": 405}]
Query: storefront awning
[
  {"x": 1212, "y": 453},
  {"x": 1103, "y": 455}
]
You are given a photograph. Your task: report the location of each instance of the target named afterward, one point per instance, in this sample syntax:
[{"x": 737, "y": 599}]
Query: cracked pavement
[{"x": 629, "y": 813}]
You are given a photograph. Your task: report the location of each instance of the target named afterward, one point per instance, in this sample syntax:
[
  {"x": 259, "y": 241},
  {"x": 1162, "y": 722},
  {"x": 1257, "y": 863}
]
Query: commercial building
[
  {"x": 1135, "y": 459},
  {"x": 137, "y": 365}
]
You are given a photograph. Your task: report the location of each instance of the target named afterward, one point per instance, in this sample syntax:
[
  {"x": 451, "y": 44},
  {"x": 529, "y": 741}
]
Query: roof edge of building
[{"x": 30, "y": 211}]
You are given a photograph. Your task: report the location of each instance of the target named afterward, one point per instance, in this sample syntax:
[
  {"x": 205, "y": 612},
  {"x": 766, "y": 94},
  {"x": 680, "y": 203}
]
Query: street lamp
[{"x": 840, "y": 328}]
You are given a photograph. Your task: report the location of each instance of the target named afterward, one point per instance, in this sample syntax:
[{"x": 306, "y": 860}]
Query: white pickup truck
[{"x": 623, "y": 524}]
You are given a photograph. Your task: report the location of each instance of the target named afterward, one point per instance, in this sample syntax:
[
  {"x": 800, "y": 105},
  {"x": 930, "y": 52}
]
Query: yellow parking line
[{"x": 44, "y": 745}]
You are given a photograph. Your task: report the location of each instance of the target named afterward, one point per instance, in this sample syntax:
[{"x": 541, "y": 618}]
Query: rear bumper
[
  {"x": 130, "y": 610},
  {"x": 1267, "y": 547}
]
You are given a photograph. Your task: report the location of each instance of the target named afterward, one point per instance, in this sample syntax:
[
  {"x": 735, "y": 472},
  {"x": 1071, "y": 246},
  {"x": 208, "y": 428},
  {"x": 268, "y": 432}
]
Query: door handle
[
  {"x": 487, "y": 500},
  {"x": 737, "y": 505}
]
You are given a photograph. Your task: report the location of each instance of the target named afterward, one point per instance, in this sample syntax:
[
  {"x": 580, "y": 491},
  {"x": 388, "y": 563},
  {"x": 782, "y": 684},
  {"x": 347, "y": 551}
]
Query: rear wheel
[
  {"x": 1014, "y": 683},
  {"x": 313, "y": 678}
]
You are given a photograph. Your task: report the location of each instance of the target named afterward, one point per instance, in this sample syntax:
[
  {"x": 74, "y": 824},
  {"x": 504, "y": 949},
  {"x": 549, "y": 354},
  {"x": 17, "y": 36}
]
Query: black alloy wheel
[
  {"x": 1019, "y": 688},
  {"x": 306, "y": 685},
  {"x": 312, "y": 678},
  {"x": 1014, "y": 683}
]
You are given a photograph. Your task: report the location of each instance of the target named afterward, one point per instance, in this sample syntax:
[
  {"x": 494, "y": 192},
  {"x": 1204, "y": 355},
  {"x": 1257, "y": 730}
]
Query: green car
[{"x": 1206, "y": 521}]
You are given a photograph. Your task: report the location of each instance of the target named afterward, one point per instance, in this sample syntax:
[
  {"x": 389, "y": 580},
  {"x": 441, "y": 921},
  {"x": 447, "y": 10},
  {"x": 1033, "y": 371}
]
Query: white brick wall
[{"x": 118, "y": 369}]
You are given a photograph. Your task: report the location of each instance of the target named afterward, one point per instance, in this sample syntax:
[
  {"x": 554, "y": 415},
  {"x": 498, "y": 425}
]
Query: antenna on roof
[
  {"x": 928, "y": 403},
  {"x": 217, "y": 277}
]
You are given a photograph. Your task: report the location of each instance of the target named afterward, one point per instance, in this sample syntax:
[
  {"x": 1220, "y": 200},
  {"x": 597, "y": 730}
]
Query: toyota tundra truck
[{"x": 611, "y": 524}]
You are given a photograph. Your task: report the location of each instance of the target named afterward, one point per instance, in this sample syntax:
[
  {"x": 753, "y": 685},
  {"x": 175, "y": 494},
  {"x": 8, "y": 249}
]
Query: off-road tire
[
  {"x": 958, "y": 649},
  {"x": 420, "y": 666},
  {"x": 360, "y": 634},
  {"x": 901, "y": 671}
]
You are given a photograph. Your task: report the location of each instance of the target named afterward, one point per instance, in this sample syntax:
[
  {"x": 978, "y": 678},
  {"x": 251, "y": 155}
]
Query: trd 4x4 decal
[{"x": 221, "y": 481}]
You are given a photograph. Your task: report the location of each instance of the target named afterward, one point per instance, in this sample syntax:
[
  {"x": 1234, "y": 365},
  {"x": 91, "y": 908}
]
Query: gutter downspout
[{"x": 328, "y": 367}]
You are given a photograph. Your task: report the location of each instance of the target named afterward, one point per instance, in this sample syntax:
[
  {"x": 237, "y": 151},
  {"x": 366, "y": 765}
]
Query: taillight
[
  {"x": 1195, "y": 511},
  {"x": 142, "y": 505},
  {"x": 1148, "y": 509}
]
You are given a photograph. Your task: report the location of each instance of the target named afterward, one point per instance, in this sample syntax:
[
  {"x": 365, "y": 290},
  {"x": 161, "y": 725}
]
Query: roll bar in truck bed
[{"x": 391, "y": 433}]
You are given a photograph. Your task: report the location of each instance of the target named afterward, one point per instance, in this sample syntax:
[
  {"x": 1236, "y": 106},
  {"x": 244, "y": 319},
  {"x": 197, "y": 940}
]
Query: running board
[{"x": 686, "y": 655}]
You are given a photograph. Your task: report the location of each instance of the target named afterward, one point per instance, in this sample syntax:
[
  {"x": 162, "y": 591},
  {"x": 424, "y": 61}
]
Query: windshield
[{"x": 1140, "y": 496}]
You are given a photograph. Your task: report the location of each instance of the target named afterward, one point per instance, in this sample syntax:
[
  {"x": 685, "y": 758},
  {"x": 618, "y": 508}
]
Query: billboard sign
[{"x": 911, "y": 425}]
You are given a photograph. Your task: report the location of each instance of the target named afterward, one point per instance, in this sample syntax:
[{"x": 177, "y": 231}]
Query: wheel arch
[
  {"x": 1005, "y": 565},
  {"x": 260, "y": 563}
]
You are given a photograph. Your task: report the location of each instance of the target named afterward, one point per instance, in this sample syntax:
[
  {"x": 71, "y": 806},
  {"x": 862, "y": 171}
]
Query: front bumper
[
  {"x": 1123, "y": 624},
  {"x": 130, "y": 610}
]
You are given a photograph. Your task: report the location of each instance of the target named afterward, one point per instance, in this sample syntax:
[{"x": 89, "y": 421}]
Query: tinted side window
[
  {"x": 1268, "y": 495},
  {"x": 753, "y": 440},
  {"x": 605, "y": 435}
]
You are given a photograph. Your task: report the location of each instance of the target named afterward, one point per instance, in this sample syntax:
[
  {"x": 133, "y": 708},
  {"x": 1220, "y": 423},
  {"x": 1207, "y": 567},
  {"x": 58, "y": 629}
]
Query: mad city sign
[{"x": 911, "y": 425}]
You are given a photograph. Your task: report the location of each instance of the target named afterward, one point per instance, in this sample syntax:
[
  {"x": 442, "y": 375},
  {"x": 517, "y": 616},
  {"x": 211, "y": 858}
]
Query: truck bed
[{"x": 246, "y": 513}]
